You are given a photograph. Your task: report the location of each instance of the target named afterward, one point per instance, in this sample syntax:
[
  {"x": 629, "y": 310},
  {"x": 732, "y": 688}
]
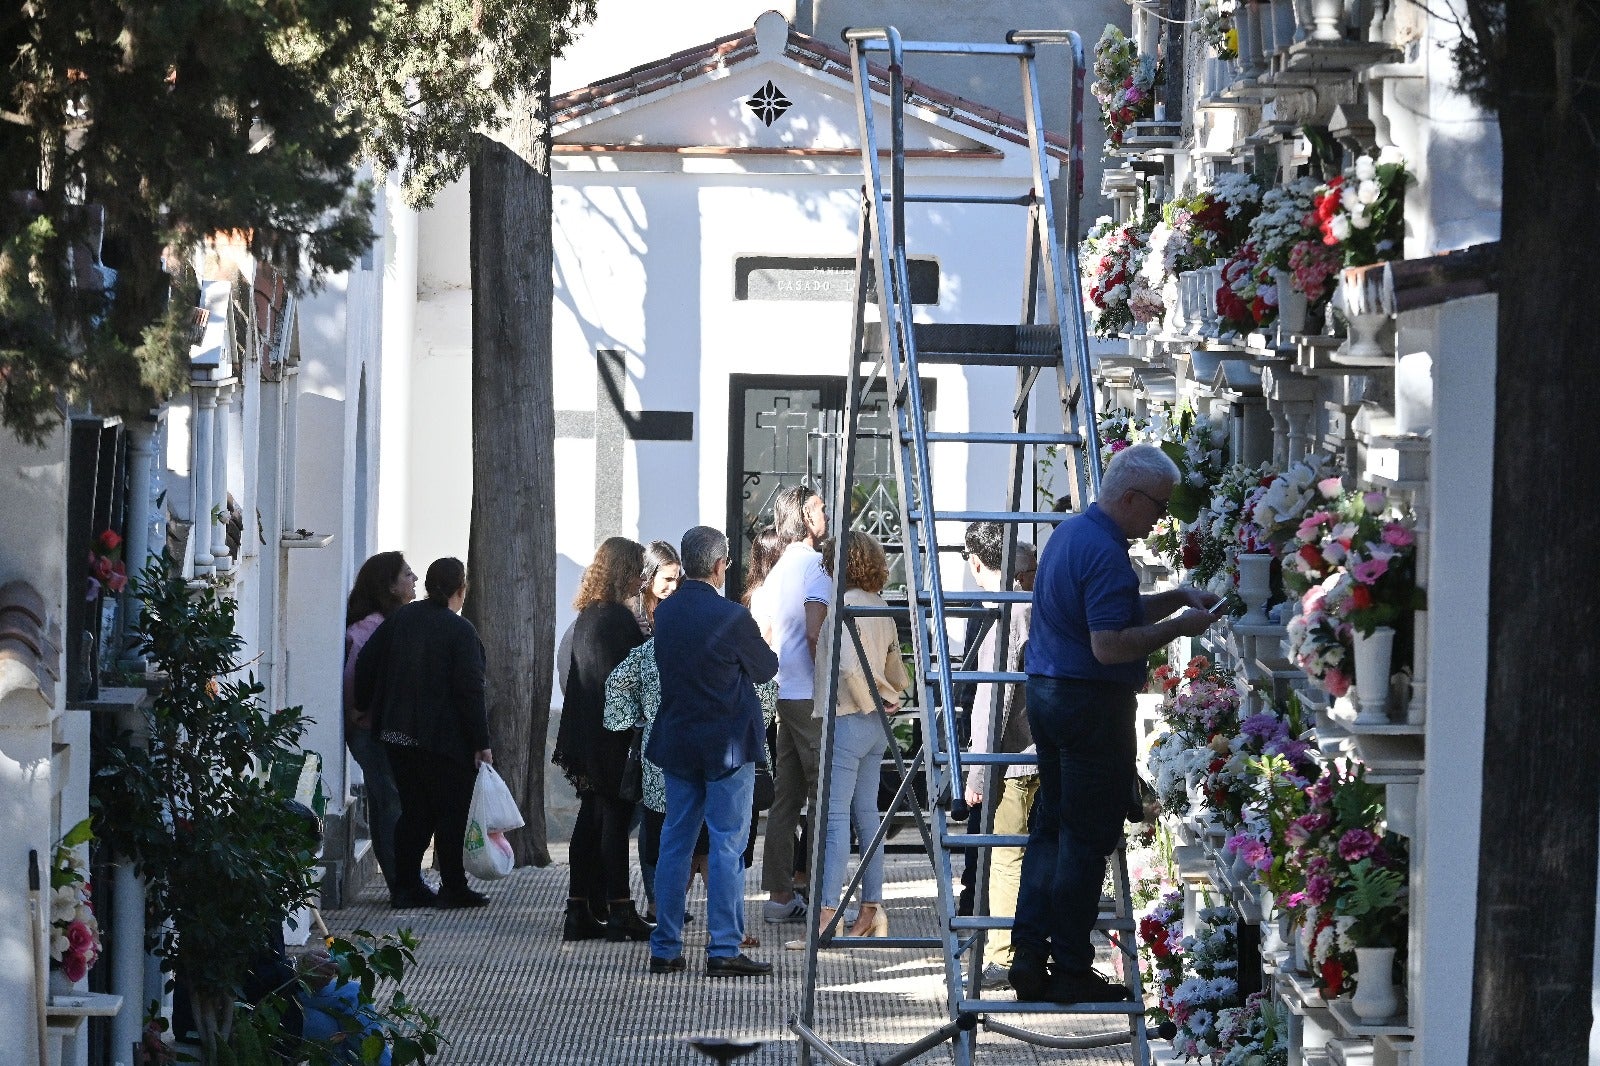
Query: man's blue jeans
[
  {"x": 1085, "y": 736},
  {"x": 723, "y": 804}
]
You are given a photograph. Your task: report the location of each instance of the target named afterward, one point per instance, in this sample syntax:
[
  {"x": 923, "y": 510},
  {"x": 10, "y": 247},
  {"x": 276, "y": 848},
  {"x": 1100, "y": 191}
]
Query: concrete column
[{"x": 204, "y": 398}]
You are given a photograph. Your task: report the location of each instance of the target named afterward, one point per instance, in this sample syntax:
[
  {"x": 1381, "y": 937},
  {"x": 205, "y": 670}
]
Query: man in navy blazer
[{"x": 707, "y": 738}]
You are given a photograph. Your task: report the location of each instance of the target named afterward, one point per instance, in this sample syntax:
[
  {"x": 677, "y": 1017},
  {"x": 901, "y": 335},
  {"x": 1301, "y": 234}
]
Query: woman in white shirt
[{"x": 859, "y": 740}]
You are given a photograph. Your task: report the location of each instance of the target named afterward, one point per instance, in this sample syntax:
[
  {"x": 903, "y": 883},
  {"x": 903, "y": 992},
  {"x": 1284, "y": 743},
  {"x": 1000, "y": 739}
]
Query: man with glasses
[{"x": 1090, "y": 636}]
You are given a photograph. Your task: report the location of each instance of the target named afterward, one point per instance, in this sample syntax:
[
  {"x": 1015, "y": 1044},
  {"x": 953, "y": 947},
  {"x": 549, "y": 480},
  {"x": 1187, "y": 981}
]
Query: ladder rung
[
  {"x": 1011, "y": 1006},
  {"x": 936, "y": 339},
  {"x": 999, "y": 758},
  {"x": 986, "y": 921},
  {"x": 1001, "y": 359},
  {"x": 980, "y": 597},
  {"x": 898, "y": 610},
  {"x": 1025, "y": 200},
  {"x": 985, "y": 840},
  {"x": 952, "y": 48},
  {"x": 1044, "y": 517},
  {"x": 985, "y": 437},
  {"x": 981, "y": 677}
]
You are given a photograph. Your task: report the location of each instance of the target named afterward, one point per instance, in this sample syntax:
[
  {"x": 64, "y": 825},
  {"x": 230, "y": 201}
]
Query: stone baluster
[
  {"x": 204, "y": 408},
  {"x": 227, "y": 407}
]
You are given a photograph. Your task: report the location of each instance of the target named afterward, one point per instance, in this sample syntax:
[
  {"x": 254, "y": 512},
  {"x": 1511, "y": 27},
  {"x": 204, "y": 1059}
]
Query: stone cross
[{"x": 611, "y": 424}]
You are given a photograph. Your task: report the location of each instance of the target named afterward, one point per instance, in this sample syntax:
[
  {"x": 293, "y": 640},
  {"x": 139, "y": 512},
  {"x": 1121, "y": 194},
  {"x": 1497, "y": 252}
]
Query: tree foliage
[
  {"x": 157, "y": 123},
  {"x": 436, "y": 73}
]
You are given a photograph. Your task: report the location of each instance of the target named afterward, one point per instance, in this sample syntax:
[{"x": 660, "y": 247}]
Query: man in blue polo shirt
[{"x": 1091, "y": 634}]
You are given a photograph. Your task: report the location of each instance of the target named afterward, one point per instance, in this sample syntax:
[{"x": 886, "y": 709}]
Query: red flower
[
  {"x": 1191, "y": 550},
  {"x": 1312, "y": 556},
  {"x": 108, "y": 541},
  {"x": 1360, "y": 598},
  {"x": 1332, "y": 978}
]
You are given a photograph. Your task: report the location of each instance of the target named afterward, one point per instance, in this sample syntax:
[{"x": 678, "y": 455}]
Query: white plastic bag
[
  {"x": 492, "y": 799},
  {"x": 486, "y": 852}
]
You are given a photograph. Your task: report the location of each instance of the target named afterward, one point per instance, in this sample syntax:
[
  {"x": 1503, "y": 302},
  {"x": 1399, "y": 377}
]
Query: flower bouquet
[
  {"x": 1247, "y": 299},
  {"x": 1161, "y": 944},
  {"x": 1256, "y": 1034},
  {"x": 1124, "y": 84},
  {"x": 1357, "y": 534},
  {"x": 1361, "y": 213},
  {"x": 74, "y": 933},
  {"x": 106, "y": 568},
  {"x": 1212, "y": 957},
  {"x": 1214, "y": 24},
  {"x": 1118, "y": 296},
  {"x": 1320, "y": 639}
]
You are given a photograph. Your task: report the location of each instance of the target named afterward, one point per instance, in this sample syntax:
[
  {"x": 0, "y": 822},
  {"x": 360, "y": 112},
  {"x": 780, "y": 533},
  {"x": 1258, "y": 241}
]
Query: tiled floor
[{"x": 509, "y": 991}]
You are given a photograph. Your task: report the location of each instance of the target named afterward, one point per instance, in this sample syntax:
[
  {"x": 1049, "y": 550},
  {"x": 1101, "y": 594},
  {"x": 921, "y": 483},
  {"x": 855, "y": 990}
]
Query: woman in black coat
[
  {"x": 592, "y": 756},
  {"x": 421, "y": 676}
]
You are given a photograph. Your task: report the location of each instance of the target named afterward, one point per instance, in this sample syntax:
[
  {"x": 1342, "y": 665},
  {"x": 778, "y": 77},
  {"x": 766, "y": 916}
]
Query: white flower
[
  {"x": 1339, "y": 225},
  {"x": 1368, "y": 192},
  {"x": 1366, "y": 169},
  {"x": 1349, "y": 200},
  {"x": 1391, "y": 156},
  {"x": 1360, "y": 220}
]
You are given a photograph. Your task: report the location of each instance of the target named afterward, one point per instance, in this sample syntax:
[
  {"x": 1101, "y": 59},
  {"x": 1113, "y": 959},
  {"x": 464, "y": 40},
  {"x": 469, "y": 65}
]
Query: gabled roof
[{"x": 725, "y": 52}]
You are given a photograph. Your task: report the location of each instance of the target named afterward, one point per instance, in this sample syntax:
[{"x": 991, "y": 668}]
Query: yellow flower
[{"x": 1231, "y": 41}]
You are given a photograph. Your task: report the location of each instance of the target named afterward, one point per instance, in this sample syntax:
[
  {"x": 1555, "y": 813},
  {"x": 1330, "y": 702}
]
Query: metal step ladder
[{"x": 1051, "y": 333}]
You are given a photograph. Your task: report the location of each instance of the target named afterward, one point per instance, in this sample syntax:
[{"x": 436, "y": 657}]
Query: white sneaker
[{"x": 779, "y": 913}]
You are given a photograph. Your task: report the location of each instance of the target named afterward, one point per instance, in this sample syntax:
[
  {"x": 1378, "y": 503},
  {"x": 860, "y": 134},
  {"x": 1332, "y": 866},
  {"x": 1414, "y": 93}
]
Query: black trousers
[
  {"x": 598, "y": 854},
  {"x": 435, "y": 793}
]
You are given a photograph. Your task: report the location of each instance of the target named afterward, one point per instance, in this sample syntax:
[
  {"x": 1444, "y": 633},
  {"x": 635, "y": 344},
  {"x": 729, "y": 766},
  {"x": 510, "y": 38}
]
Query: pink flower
[
  {"x": 1336, "y": 683},
  {"x": 1368, "y": 571},
  {"x": 1118, "y": 445},
  {"x": 1330, "y": 487},
  {"x": 1357, "y": 844},
  {"x": 79, "y": 937},
  {"x": 1374, "y": 501},
  {"x": 1398, "y": 535},
  {"x": 74, "y": 966},
  {"x": 1317, "y": 889},
  {"x": 1309, "y": 526}
]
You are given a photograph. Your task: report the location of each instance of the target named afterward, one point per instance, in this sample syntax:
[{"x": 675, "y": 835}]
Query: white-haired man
[{"x": 1090, "y": 636}]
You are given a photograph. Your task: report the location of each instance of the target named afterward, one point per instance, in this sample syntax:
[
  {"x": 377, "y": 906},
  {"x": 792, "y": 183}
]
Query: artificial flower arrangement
[
  {"x": 1200, "y": 451},
  {"x": 1161, "y": 943},
  {"x": 1197, "y": 231},
  {"x": 1117, "y": 295},
  {"x": 1214, "y": 24},
  {"x": 74, "y": 933},
  {"x": 1246, "y": 301},
  {"x": 1124, "y": 84},
  {"x": 1361, "y": 213},
  {"x": 1270, "y": 515},
  {"x": 1352, "y": 886},
  {"x": 1255, "y": 1034},
  {"x": 106, "y": 567},
  {"x": 1120, "y": 428},
  {"x": 1211, "y": 957},
  {"x": 1359, "y": 535},
  {"x": 1287, "y": 221},
  {"x": 1233, "y": 786}
]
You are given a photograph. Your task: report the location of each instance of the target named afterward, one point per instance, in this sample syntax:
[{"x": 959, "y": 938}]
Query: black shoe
[
  {"x": 580, "y": 923},
  {"x": 625, "y": 923},
  {"x": 411, "y": 898},
  {"x": 1030, "y": 977},
  {"x": 1086, "y": 986},
  {"x": 451, "y": 899},
  {"x": 740, "y": 965},
  {"x": 660, "y": 965}
]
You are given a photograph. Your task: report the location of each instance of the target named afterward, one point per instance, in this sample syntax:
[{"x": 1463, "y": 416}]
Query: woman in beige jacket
[{"x": 859, "y": 740}]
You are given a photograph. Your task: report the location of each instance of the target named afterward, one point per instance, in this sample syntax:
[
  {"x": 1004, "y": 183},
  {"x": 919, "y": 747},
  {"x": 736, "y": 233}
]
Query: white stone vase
[
  {"x": 1255, "y": 587},
  {"x": 1362, "y": 347},
  {"x": 1291, "y": 307},
  {"x": 1374, "y": 655},
  {"x": 1375, "y": 997},
  {"x": 59, "y": 985}
]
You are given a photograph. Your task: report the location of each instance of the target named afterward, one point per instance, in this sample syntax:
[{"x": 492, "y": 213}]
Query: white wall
[{"x": 1444, "y": 889}]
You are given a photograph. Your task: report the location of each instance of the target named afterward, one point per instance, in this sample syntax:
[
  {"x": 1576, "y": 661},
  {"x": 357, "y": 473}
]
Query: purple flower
[
  {"x": 1318, "y": 888},
  {"x": 1265, "y": 727},
  {"x": 1374, "y": 501},
  {"x": 1398, "y": 535},
  {"x": 1356, "y": 844},
  {"x": 1368, "y": 571}
]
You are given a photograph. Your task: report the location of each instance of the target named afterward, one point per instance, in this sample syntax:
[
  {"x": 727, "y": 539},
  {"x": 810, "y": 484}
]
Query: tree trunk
[
  {"x": 512, "y": 552},
  {"x": 1541, "y": 766}
]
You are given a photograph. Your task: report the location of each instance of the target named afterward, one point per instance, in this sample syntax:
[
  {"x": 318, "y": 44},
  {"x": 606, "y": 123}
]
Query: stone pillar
[
  {"x": 227, "y": 409},
  {"x": 204, "y": 399}
]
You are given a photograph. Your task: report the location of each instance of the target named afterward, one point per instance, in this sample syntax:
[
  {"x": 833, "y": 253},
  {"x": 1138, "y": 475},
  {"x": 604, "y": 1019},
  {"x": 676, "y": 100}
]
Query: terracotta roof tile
[{"x": 802, "y": 48}]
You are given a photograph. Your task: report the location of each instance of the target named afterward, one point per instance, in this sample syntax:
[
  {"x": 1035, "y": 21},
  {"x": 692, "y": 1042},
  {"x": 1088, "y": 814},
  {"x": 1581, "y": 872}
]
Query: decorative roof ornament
[{"x": 768, "y": 103}]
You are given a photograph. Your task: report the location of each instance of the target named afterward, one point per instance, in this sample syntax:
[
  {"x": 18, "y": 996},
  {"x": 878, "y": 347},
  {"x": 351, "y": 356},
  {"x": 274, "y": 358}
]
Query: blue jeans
[
  {"x": 723, "y": 804},
  {"x": 383, "y": 799},
  {"x": 1085, "y": 735},
  {"x": 858, "y": 747}
]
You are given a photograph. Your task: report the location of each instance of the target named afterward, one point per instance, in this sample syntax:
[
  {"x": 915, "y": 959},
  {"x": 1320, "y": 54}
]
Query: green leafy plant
[
  {"x": 223, "y": 857},
  {"x": 1375, "y": 896}
]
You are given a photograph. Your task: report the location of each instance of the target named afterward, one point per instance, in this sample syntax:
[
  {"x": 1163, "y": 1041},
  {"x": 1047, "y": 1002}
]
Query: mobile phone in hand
[{"x": 1216, "y": 609}]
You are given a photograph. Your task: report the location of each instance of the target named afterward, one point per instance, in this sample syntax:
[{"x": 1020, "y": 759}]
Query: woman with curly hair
[
  {"x": 859, "y": 741},
  {"x": 592, "y": 756}
]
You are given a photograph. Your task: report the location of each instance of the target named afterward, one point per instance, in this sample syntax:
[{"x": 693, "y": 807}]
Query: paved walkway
[{"x": 509, "y": 991}]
